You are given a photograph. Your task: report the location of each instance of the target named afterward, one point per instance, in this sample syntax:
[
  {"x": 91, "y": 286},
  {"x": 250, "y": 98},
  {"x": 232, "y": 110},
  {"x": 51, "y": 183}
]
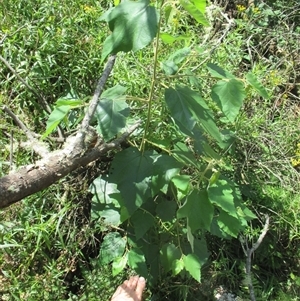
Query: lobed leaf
[
  {"x": 188, "y": 108},
  {"x": 229, "y": 96},
  {"x": 218, "y": 72},
  {"x": 193, "y": 266},
  {"x": 168, "y": 254},
  {"x": 111, "y": 112},
  {"x": 105, "y": 202},
  {"x": 119, "y": 264},
  {"x": 133, "y": 25},
  {"x": 198, "y": 210},
  {"x": 229, "y": 224},
  {"x": 113, "y": 246},
  {"x": 164, "y": 169},
  {"x": 131, "y": 170},
  {"x": 136, "y": 260},
  {"x": 182, "y": 183},
  {"x": 221, "y": 194},
  {"x": 142, "y": 221}
]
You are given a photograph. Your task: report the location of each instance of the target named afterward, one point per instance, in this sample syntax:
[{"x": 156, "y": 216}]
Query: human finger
[
  {"x": 141, "y": 284},
  {"x": 132, "y": 282}
]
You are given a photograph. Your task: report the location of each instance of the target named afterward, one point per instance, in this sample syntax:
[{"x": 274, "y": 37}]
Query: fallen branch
[{"x": 36, "y": 177}]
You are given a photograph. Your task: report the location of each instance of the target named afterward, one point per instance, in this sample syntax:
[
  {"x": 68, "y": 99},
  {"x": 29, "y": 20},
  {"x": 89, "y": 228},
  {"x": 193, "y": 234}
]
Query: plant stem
[
  {"x": 249, "y": 253},
  {"x": 153, "y": 81}
]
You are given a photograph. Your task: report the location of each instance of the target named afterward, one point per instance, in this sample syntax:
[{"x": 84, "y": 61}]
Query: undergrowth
[{"x": 50, "y": 246}]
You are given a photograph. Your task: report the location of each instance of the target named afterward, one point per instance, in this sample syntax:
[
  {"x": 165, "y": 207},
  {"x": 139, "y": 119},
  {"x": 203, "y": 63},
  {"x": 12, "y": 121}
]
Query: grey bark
[{"x": 36, "y": 177}]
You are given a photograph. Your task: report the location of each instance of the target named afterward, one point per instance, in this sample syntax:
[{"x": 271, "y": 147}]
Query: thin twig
[
  {"x": 11, "y": 150},
  {"x": 20, "y": 124},
  {"x": 249, "y": 252},
  {"x": 79, "y": 142},
  {"x": 261, "y": 237},
  {"x": 39, "y": 147},
  {"x": 99, "y": 89}
]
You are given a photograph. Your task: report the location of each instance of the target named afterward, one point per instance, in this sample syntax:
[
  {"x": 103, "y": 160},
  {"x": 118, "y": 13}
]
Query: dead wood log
[{"x": 36, "y": 177}]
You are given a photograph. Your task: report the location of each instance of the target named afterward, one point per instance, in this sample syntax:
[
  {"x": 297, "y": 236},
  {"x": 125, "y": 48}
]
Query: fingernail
[{"x": 142, "y": 279}]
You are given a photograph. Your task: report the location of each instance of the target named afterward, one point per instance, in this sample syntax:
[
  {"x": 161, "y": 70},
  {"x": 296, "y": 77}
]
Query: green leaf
[
  {"x": 183, "y": 154},
  {"x": 193, "y": 266},
  {"x": 188, "y": 108},
  {"x": 3, "y": 246},
  {"x": 245, "y": 213},
  {"x": 201, "y": 5},
  {"x": 74, "y": 103},
  {"x": 169, "y": 253},
  {"x": 214, "y": 178},
  {"x": 151, "y": 253},
  {"x": 136, "y": 260},
  {"x": 56, "y": 116},
  {"x": 229, "y": 224},
  {"x": 170, "y": 12},
  {"x": 119, "y": 264},
  {"x": 182, "y": 183},
  {"x": 131, "y": 170},
  {"x": 103, "y": 190},
  {"x": 169, "y": 39},
  {"x": 179, "y": 55},
  {"x": 193, "y": 79},
  {"x": 164, "y": 169},
  {"x": 252, "y": 80},
  {"x": 177, "y": 266},
  {"x": 201, "y": 144},
  {"x": 198, "y": 210},
  {"x": 221, "y": 194},
  {"x": 169, "y": 67},
  {"x": 229, "y": 96},
  {"x": 142, "y": 221},
  {"x": 166, "y": 210},
  {"x": 133, "y": 25},
  {"x": 113, "y": 246},
  {"x": 105, "y": 202},
  {"x": 200, "y": 249},
  {"x": 218, "y": 72},
  {"x": 116, "y": 92},
  {"x": 190, "y": 237},
  {"x": 110, "y": 213},
  {"x": 216, "y": 230},
  {"x": 194, "y": 12},
  {"x": 112, "y": 112},
  {"x": 139, "y": 176}
]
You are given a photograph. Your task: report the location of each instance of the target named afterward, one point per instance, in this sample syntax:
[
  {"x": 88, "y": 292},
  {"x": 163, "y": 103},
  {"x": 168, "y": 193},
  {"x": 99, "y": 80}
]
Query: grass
[{"x": 49, "y": 245}]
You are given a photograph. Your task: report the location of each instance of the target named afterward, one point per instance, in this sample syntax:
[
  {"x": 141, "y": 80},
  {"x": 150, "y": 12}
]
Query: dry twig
[{"x": 249, "y": 252}]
